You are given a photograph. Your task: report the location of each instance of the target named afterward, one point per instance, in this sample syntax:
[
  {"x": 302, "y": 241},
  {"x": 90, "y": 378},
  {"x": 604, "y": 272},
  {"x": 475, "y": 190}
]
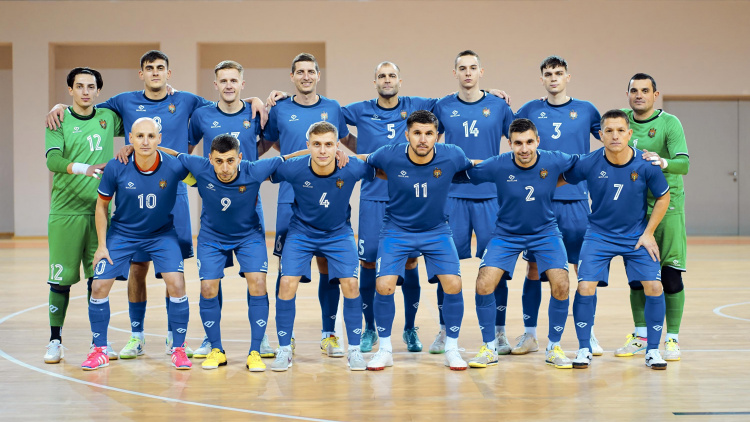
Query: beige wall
[{"x": 691, "y": 47}]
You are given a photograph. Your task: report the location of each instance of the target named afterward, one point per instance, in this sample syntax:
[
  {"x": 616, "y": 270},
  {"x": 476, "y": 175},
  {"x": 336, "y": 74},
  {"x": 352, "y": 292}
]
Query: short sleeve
[
  {"x": 575, "y": 174},
  {"x": 279, "y": 175},
  {"x": 595, "y": 122},
  {"x": 362, "y": 170},
  {"x": 350, "y": 113},
  {"x": 53, "y": 139},
  {"x": 422, "y": 103},
  {"x": 192, "y": 163},
  {"x": 119, "y": 126},
  {"x": 376, "y": 159},
  {"x": 263, "y": 169},
  {"x": 482, "y": 172},
  {"x": 199, "y": 102},
  {"x": 567, "y": 161},
  {"x": 271, "y": 131},
  {"x": 114, "y": 103},
  {"x": 195, "y": 132},
  {"x": 656, "y": 181},
  {"x": 108, "y": 184},
  {"x": 507, "y": 120},
  {"x": 462, "y": 162},
  {"x": 342, "y": 128}
]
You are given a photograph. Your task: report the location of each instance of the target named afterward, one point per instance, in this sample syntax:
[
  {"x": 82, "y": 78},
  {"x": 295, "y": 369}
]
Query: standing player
[
  {"x": 525, "y": 179},
  {"x": 476, "y": 122},
  {"x": 565, "y": 124},
  {"x": 288, "y": 122},
  {"x": 81, "y": 146},
  {"x": 419, "y": 176},
  {"x": 661, "y": 137},
  {"x": 145, "y": 191},
  {"x": 619, "y": 182}
]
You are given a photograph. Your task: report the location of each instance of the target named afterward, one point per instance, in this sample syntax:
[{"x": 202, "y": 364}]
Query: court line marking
[
  {"x": 709, "y": 413},
  {"x": 718, "y": 312}
]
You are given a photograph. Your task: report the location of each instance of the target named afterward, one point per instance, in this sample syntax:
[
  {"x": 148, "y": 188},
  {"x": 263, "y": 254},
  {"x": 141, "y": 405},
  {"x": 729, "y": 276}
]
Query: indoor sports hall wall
[{"x": 690, "y": 47}]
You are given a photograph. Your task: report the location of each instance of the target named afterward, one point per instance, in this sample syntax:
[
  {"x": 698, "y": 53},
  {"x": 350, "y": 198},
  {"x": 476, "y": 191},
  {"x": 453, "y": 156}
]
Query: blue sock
[
  {"x": 594, "y": 318},
  {"x": 137, "y": 312},
  {"x": 210, "y": 311},
  {"x": 583, "y": 315},
  {"x": 220, "y": 296},
  {"x": 558, "y": 314},
  {"x": 385, "y": 312},
  {"x": 353, "y": 319},
  {"x": 169, "y": 323},
  {"x": 485, "y": 314},
  {"x": 257, "y": 311},
  {"x": 99, "y": 319},
  {"x": 178, "y": 315},
  {"x": 411, "y": 291},
  {"x": 328, "y": 294},
  {"x": 440, "y": 300},
  {"x": 285, "y": 312},
  {"x": 453, "y": 312},
  {"x": 654, "y": 313},
  {"x": 531, "y": 300},
  {"x": 367, "y": 293},
  {"x": 501, "y": 302}
]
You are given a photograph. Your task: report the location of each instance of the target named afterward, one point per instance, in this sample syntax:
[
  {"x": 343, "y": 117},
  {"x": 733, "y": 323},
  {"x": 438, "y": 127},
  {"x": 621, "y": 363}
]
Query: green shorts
[
  {"x": 72, "y": 242},
  {"x": 671, "y": 238}
]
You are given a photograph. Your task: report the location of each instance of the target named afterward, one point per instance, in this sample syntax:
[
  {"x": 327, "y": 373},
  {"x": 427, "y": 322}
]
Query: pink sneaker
[
  {"x": 180, "y": 359},
  {"x": 96, "y": 359}
]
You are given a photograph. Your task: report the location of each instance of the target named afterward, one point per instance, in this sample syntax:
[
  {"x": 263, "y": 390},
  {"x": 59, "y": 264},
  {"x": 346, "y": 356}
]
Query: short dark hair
[
  {"x": 642, "y": 76},
  {"x": 304, "y": 57},
  {"x": 467, "y": 53},
  {"x": 614, "y": 114},
  {"x": 224, "y": 143},
  {"x": 381, "y": 64},
  {"x": 320, "y": 128},
  {"x": 88, "y": 71},
  {"x": 553, "y": 62},
  {"x": 423, "y": 117},
  {"x": 521, "y": 126},
  {"x": 152, "y": 56}
]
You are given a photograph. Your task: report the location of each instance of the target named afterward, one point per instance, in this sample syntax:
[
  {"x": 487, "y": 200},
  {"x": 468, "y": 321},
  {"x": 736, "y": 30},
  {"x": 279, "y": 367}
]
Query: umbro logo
[
  {"x": 558, "y": 328},
  {"x": 210, "y": 186},
  {"x": 140, "y": 108},
  {"x": 403, "y": 174},
  {"x": 293, "y": 118},
  {"x": 181, "y": 330},
  {"x": 581, "y": 324},
  {"x": 307, "y": 185},
  {"x": 282, "y": 333},
  {"x": 481, "y": 327},
  {"x": 416, "y": 305},
  {"x": 542, "y": 115},
  {"x": 364, "y": 306},
  {"x": 76, "y": 129},
  {"x": 96, "y": 335},
  {"x": 135, "y": 324},
  {"x": 657, "y": 327},
  {"x": 261, "y": 322},
  {"x": 53, "y": 308},
  {"x": 381, "y": 329},
  {"x": 525, "y": 317},
  {"x": 511, "y": 178},
  {"x": 455, "y": 114},
  {"x": 333, "y": 317},
  {"x": 501, "y": 308},
  {"x": 209, "y": 324},
  {"x": 357, "y": 331},
  {"x": 603, "y": 175},
  {"x": 215, "y": 124},
  {"x": 130, "y": 185},
  {"x": 455, "y": 329},
  {"x": 440, "y": 307}
]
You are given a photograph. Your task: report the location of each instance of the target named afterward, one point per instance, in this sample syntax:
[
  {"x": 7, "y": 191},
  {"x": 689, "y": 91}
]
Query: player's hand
[
  {"x": 647, "y": 241},
  {"x": 102, "y": 253},
  {"x": 56, "y": 116},
  {"x": 123, "y": 154},
  {"x": 501, "y": 94},
  {"x": 171, "y": 90},
  {"x": 95, "y": 170},
  {"x": 341, "y": 158},
  {"x": 257, "y": 107},
  {"x": 275, "y": 96},
  {"x": 654, "y": 158}
]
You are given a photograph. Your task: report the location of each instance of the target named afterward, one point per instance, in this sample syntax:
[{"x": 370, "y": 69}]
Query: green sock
[
  {"x": 58, "y": 307},
  {"x": 637, "y": 306},
  {"x": 675, "y": 305}
]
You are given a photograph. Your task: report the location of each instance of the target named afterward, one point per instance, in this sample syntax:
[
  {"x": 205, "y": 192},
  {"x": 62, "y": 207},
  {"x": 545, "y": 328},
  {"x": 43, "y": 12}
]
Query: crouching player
[{"x": 320, "y": 226}]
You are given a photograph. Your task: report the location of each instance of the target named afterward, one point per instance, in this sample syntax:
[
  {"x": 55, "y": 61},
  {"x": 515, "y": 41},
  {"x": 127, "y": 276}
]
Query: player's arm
[
  {"x": 101, "y": 218},
  {"x": 56, "y": 116},
  {"x": 647, "y": 238},
  {"x": 275, "y": 96},
  {"x": 264, "y": 146},
  {"x": 350, "y": 142},
  {"x": 56, "y": 163},
  {"x": 678, "y": 161}
]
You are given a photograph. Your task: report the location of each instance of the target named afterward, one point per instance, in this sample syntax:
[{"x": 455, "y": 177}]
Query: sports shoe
[
  {"x": 293, "y": 344},
  {"x": 188, "y": 351},
  {"x": 204, "y": 350},
  {"x": 96, "y": 359},
  {"x": 55, "y": 352},
  {"x": 557, "y": 358},
  {"x": 596, "y": 349},
  {"x": 486, "y": 357},
  {"x": 671, "y": 350},
  {"x": 214, "y": 359},
  {"x": 412, "y": 340},
  {"x": 503, "y": 347},
  {"x": 266, "y": 351},
  {"x": 632, "y": 346},
  {"x": 133, "y": 348},
  {"x": 582, "y": 359},
  {"x": 654, "y": 360},
  {"x": 380, "y": 360},
  {"x": 526, "y": 343},
  {"x": 355, "y": 360},
  {"x": 330, "y": 346},
  {"x": 438, "y": 346},
  {"x": 111, "y": 352},
  {"x": 454, "y": 360},
  {"x": 180, "y": 359},
  {"x": 255, "y": 363},
  {"x": 283, "y": 359},
  {"x": 369, "y": 339}
]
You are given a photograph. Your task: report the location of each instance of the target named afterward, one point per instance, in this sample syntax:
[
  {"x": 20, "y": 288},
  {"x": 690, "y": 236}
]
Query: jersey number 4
[{"x": 323, "y": 201}]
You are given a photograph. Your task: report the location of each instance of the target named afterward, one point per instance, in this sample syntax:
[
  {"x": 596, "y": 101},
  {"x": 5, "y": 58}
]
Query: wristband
[
  {"x": 665, "y": 163},
  {"x": 80, "y": 168}
]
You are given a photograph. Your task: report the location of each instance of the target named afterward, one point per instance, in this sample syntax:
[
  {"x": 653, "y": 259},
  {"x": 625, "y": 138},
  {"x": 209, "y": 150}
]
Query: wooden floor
[{"x": 711, "y": 381}]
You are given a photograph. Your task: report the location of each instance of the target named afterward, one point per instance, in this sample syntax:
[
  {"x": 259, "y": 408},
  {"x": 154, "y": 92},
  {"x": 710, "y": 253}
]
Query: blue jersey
[
  {"x": 209, "y": 122},
  {"x": 417, "y": 192},
  {"x": 565, "y": 127},
  {"x": 172, "y": 113},
  {"x": 143, "y": 200},
  {"x": 288, "y": 123},
  {"x": 618, "y": 194},
  {"x": 524, "y": 195},
  {"x": 477, "y": 128},
  {"x": 378, "y": 126},
  {"x": 229, "y": 208},
  {"x": 321, "y": 203}
]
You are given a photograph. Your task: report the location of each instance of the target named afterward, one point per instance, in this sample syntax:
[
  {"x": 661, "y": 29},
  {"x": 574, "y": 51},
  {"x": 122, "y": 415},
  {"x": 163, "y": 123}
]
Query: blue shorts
[
  {"x": 502, "y": 251},
  {"x": 283, "y": 217},
  {"x": 467, "y": 215},
  {"x": 597, "y": 253},
  {"x": 371, "y": 214},
  {"x": 339, "y": 249},
  {"x": 163, "y": 249},
  {"x": 215, "y": 255},
  {"x": 396, "y": 245},
  {"x": 181, "y": 213},
  {"x": 572, "y": 220}
]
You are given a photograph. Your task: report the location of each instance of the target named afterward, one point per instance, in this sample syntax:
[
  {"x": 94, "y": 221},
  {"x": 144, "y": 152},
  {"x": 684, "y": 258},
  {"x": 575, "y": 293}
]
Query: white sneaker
[
  {"x": 380, "y": 360},
  {"x": 654, "y": 360},
  {"x": 454, "y": 360},
  {"x": 503, "y": 347},
  {"x": 111, "y": 352},
  {"x": 55, "y": 352},
  {"x": 133, "y": 348},
  {"x": 596, "y": 349},
  {"x": 283, "y": 359},
  {"x": 438, "y": 346},
  {"x": 526, "y": 343},
  {"x": 355, "y": 360},
  {"x": 266, "y": 351},
  {"x": 188, "y": 351},
  {"x": 204, "y": 350},
  {"x": 671, "y": 350},
  {"x": 582, "y": 359}
]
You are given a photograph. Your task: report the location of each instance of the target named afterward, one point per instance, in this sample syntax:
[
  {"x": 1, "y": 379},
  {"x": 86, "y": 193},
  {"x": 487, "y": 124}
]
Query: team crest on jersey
[
  {"x": 246, "y": 124},
  {"x": 437, "y": 172},
  {"x": 543, "y": 173},
  {"x": 486, "y": 112},
  {"x": 103, "y": 123},
  {"x": 634, "y": 176},
  {"x": 242, "y": 189},
  {"x": 339, "y": 183},
  {"x": 162, "y": 183},
  {"x": 652, "y": 132},
  {"x": 403, "y": 114},
  {"x": 573, "y": 115},
  {"x": 324, "y": 116},
  {"x": 172, "y": 108}
]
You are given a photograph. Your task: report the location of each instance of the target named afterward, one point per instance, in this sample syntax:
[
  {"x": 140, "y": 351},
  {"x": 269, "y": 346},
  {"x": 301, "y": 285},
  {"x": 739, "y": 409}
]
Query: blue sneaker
[
  {"x": 412, "y": 340},
  {"x": 369, "y": 339}
]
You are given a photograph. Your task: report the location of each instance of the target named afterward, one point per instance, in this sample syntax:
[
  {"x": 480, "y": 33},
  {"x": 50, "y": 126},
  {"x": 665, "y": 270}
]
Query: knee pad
[
  {"x": 671, "y": 280},
  {"x": 59, "y": 289}
]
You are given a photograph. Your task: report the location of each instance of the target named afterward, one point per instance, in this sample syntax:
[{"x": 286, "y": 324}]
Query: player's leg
[
  {"x": 487, "y": 281},
  {"x": 370, "y": 217},
  {"x": 286, "y": 310},
  {"x": 137, "y": 302},
  {"x": 328, "y": 296},
  {"x": 251, "y": 254},
  {"x": 671, "y": 238},
  {"x": 212, "y": 259},
  {"x": 181, "y": 213},
  {"x": 353, "y": 322},
  {"x": 531, "y": 301},
  {"x": 284, "y": 215},
  {"x": 411, "y": 291},
  {"x": 636, "y": 341}
]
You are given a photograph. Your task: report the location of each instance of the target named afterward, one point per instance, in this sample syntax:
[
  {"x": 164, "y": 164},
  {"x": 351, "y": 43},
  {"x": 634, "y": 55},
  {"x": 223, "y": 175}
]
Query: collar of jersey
[
  {"x": 143, "y": 93},
  {"x": 604, "y": 153},
  {"x": 560, "y": 105},
  {"x": 388, "y": 109},
  {"x": 320, "y": 99},
  {"x": 161, "y": 161},
  {"x": 309, "y": 167},
  {"x": 513, "y": 159},
  {"x": 434, "y": 154},
  {"x": 654, "y": 117},
  {"x": 79, "y": 117},
  {"x": 475, "y": 102},
  {"x": 244, "y": 105}
]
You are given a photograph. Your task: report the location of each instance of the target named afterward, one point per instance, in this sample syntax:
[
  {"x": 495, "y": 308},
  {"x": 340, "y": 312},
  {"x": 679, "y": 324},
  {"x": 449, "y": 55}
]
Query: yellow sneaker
[
  {"x": 671, "y": 350},
  {"x": 486, "y": 357},
  {"x": 556, "y": 357},
  {"x": 330, "y": 346},
  {"x": 255, "y": 363},
  {"x": 214, "y": 359}
]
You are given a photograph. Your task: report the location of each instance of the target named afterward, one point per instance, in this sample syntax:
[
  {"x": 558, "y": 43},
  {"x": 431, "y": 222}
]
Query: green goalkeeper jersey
[
  {"x": 662, "y": 133},
  {"x": 80, "y": 139}
]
